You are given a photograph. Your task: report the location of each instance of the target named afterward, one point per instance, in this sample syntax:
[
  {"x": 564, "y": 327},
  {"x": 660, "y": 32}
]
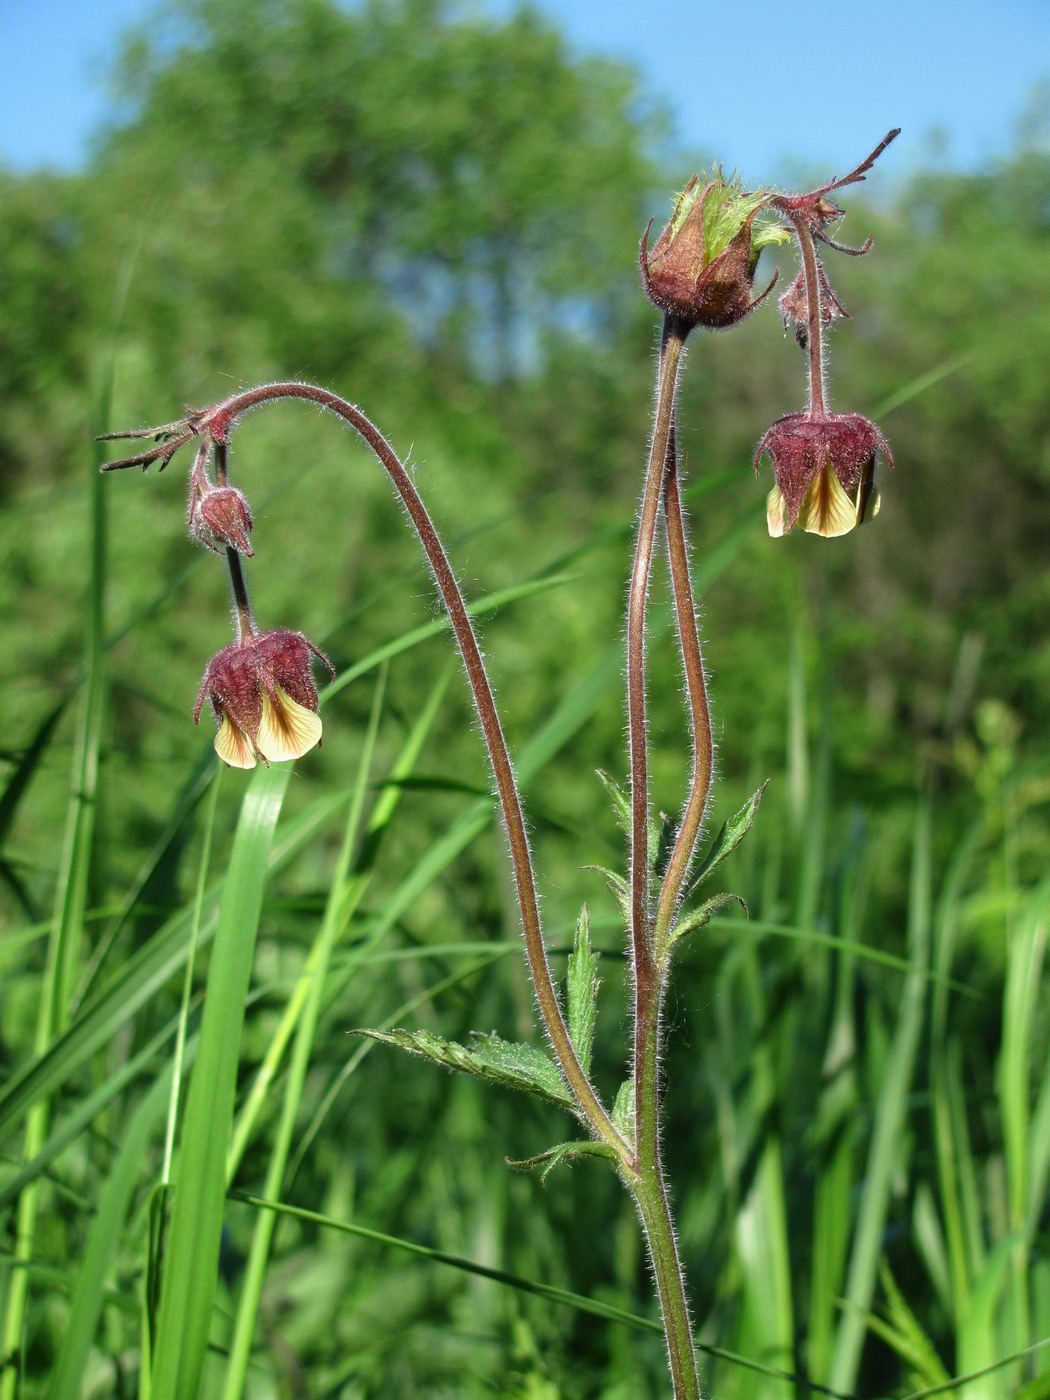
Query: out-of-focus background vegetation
[{"x": 438, "y": 216}]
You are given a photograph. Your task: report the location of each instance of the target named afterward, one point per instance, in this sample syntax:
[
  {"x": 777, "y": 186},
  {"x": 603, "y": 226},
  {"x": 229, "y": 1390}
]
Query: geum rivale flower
[
  {"x": 824, "y": 468},
  {"x": 263, "y": 694}
]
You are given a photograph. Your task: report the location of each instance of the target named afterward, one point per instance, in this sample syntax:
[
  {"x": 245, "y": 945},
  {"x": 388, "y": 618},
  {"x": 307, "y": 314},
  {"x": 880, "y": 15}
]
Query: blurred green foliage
[{"x": 438, "y": 215}]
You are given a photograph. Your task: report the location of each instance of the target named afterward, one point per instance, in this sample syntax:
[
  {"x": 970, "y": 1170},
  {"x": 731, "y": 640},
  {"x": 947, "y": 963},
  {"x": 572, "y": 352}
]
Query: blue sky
[{"x": 759, "y": 86}]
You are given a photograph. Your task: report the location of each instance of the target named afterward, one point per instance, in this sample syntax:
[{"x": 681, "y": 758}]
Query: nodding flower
[
  {"x": 823, "y": 463},
  {"x": 220, "y": 518},
  {"x": 824, "y": 469},
  {"x": 264, "y": 698}
]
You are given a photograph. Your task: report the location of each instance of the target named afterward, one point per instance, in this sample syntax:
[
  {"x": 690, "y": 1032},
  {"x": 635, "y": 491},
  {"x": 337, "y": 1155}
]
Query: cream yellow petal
[
  {"x": 775, "y": 512},
  {"x": 827, "y": 510},
  {"x": 287, "y": 729},
  {"x": 233, "y": 747}
]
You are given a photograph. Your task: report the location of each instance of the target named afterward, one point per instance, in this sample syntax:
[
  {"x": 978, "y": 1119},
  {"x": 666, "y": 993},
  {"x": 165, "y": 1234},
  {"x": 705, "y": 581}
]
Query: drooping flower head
[
  {"x": 264, "y": 698},
  {"x": 823, "y": 462},
  {"x": 824, "y": 469},
  {"x": 701, "y": 270},
  {"x": 220, "y": 518}
]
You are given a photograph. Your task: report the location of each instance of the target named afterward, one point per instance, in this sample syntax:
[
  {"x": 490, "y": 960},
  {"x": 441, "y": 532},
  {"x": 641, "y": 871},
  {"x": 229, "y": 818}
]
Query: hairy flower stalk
[
  {"x": 216, "y": 425},
  {"x": 680, "y": 861},
  {"x": 823, "y": 463}
]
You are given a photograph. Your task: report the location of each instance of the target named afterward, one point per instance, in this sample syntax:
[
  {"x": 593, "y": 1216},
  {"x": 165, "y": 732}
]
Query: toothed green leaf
[
  {"x": 564, "y": 1152},
  {"x": 581, "y": 991},
  {"x": 513, "y": 1065},
  {"x": 623, "y": 1110},
  {"x": 621, "y": 891},
  {"x": 621, "y": 803},
  {"x": 732, "y": 833},
  {"x": 703, "y": 915}
]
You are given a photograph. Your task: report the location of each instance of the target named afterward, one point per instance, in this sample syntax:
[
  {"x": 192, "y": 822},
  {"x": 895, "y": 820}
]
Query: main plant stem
[{"x": 648, "y": 955}]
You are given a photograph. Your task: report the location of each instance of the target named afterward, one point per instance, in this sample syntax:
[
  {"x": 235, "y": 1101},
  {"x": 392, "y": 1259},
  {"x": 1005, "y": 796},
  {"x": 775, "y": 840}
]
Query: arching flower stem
[{"x": 217, "y": 424}]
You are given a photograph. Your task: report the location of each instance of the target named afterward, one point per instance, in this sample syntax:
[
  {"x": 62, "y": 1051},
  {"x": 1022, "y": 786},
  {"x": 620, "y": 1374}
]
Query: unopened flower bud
[
  {"x": 794, "y": 305},
  {"x": 264, "y": 698},
  {"x": 702, "y": 268},
  {"x": 220, "y": 518},
  {"x": 824, "y": 468}
]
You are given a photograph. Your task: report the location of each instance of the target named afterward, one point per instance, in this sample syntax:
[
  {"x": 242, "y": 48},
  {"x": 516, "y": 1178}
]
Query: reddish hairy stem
[
  {"x": 242, "y": 603},
  {"x": 671, "y": 348},
  {"x": 815, "y": 324},
  {"x": 649, "y": 1188},
  {"x": 218, "y": 422},
  {"x": 678, "y": 865}
]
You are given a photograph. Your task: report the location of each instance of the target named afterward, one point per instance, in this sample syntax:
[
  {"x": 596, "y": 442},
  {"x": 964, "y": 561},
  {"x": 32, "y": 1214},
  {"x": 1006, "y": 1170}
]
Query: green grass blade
[
  {"x": 887, "y": 1143},
  {"x": 767, "y": 1321},
  {"x": 833, "y": 1138},
  {"x": 563, "y": 1296},
  {"x": 351, "y": 892},
  {"x": 976, "y": 1335},
  {"x": 184, "y": 807},
  {"x": 962, "y": 1383},
  {"x": 492, "y": 602},
  {"x": 1039, "y": 1154},
  {"x": 191, "y": 1264},
  {"x": 1014, "y": 1078},
  {"x": 427, "y": 996},
  {"x": 954, "y": 1160},
  {"x": 17, "y": 784},
  {"x": 86, "y": 1111},
  {"x": 106, "y": 1228},
  {"x": 305, "y": 1010}
]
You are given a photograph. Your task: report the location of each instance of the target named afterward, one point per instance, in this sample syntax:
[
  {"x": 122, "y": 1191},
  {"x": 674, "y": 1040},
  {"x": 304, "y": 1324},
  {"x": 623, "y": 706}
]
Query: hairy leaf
[
  {"x": 623, "y": 1110},
  {"x": 697, "y": 918},
  {"x": 581, "y": 988},
  {"x": 564, "y": 1152},
  {"x": 732, "y": 833},
  {"x": 621, "y": 891},
  {"x": 621, "y": 803},
  {"x": 514, "y": 1065}
]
